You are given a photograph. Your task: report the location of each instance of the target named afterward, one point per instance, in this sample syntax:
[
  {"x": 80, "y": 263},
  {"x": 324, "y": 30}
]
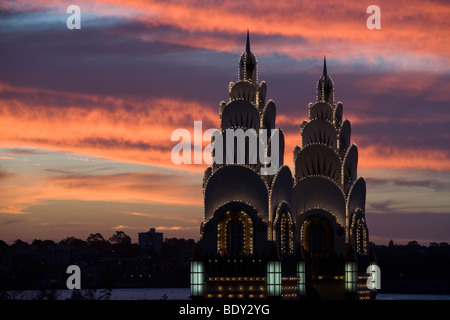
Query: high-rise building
[
  {"x": 151, "y": 240},
  {"x": 265, "y": 233}
]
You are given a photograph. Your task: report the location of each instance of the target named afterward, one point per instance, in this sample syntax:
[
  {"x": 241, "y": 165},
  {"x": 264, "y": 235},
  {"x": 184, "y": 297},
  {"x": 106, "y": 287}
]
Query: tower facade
[
  {"x": 266, "y": 233},
  {"x": 247, "y": 200},
  {"x": 328, "y": 196}
]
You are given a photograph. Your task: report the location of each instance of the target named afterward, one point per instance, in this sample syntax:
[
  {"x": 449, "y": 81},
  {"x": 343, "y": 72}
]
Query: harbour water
[{"x": 177, "y": 294}]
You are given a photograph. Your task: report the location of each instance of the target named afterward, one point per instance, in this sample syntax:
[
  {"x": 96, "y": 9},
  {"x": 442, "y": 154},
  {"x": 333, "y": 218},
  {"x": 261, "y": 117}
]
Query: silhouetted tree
[
  {"x": 413, "y": 243},
  {"x": 20, "y": 244},
  {"x": 72, "y": 241},
  {"x": 43, "y": 243},
  {"x": 433, "y": 245},
  {"x": 3, "y": 245},
  {"x": 120, "y": 238},
  {"x": 95, "y": 238}
]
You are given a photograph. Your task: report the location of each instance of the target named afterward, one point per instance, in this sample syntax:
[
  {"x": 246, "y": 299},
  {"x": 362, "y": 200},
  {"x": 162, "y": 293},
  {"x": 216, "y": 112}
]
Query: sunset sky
[{"x": 86, "y": 116}]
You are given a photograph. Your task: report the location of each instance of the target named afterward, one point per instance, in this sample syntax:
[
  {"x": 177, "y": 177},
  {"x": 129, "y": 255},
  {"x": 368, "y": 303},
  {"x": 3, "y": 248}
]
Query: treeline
[
  {"x": 116, "y": 262},
  {"x": 414, "y": 268},
  {"x": 104, "y": 263}
]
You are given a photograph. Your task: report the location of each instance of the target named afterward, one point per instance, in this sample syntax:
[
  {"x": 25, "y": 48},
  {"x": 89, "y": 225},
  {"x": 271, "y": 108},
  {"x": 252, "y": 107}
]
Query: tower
[
  {"x": 328, "y": 197},
  {"x": 265, "y": 233},
  {"x": 247, "y": 199}
]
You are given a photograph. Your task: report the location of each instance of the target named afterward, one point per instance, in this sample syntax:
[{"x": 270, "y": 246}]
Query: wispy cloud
[
  {"x": 124, "y": 227},
  {"x": 165, "y": 217},
  {"x": 133, "y": 187},
  {"x": 407, "y": 26},
  {"x": 433, "y": 184},
  {"x": 174, "y": 228},
  {"x": 67, "y": 224}
]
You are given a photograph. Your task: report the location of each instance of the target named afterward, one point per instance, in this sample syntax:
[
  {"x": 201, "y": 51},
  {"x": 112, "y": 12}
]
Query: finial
[
  {"x": 247, "y": 48},
  {"x": 324, "y": 66}
]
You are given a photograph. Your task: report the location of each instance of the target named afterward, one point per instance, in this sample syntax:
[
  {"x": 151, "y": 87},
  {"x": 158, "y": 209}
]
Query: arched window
[
  {"x": 235, "y": 234},
  {"x": 286, "y": 234},
  {"x": 316, "y": 235},
  {"x": 317, "y": 238},
  {"x": 235, "y": 238},
  {"x": 361, "y": 236}
]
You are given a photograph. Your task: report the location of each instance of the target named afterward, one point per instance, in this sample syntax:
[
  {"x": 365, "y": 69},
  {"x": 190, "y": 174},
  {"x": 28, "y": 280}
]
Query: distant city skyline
[{"x": 86, "y": 115}]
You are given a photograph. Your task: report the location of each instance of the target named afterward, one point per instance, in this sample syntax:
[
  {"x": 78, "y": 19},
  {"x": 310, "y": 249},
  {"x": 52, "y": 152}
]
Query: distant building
[{"x": 151, "y": 239}]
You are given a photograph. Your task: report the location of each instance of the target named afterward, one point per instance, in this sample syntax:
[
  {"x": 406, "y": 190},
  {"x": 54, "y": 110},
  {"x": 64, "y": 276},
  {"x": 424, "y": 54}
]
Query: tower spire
[
  {"x": 325, "y": 85},
  {"x": 247, "y": 65},
  {"x": 247, "y": 48}
]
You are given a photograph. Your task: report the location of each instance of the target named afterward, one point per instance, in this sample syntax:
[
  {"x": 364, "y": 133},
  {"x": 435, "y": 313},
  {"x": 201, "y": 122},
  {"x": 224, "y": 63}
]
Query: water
[
  {"x": 183, "y": 294},
  {"x": 401, "y": 296},
  {"x": 116, "y": 294}
]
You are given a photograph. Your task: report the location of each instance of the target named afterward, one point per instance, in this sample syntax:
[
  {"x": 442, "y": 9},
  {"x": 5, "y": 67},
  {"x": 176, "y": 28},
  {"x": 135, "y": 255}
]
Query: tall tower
[
  {"x": 329, "y": 198},
  {"x": 247, "y": 201}
]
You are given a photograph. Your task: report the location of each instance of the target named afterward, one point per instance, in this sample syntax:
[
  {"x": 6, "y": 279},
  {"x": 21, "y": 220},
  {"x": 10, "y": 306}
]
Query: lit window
[
  {"x": 197, "y": 277},
  {"x": 274, "y": 278},
  {"x": 301, "y": 274},
  {"x": 351, "y": 276}
]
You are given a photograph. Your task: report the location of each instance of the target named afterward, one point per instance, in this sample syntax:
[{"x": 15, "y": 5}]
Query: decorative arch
[
  {"x": 359, "y": 232},
  {"x": 240, "y": 114},
  {"x": 232, "y": 183},
  {"x": 321, "y": 111},
  {"x": 361, "y": 236},
  {"x": 262, "y": 94},
  {"x": 344, "y": 137},
  {"x": 337, "y": 115},
  {"x": 283, "y": 229},
  {"x": 318, "y": 159},
  {"x": 214, "y": 240},
  {"x": 235, "y": 234},
  {"x": 286, "y": 233},
  {"x": 280, "y": 191},
  {"x": 316, "y": 235},
  {"x": 349, "y": 167},
  {"x": 321, "y": 193},
  {"x": 243, "y": 90},
  {"x": 269, "y": 115},
  {"x": 357, "y": 196},
  {"x": 207, "y": 175},
  {"x": 319, "y": 131}
]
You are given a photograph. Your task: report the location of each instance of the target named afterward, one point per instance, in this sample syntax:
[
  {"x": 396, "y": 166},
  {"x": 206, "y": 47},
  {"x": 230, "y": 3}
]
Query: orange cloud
[
  {"x": 124, "y": 227},
  {"x": 100, "y": 126},
  {"x": 372, "y": 156},
  {"x": 24, "y": 191},
  {"x": 174, "y": 228},
  {"x": 409, "y": 28}
]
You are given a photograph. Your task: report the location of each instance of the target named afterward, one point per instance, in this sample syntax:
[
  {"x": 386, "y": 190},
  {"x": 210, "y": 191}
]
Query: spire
[
  {"x": 247, "y": 48},
  {"x": 247, "y": 65},
  {"x": 325, "y": 85}
]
